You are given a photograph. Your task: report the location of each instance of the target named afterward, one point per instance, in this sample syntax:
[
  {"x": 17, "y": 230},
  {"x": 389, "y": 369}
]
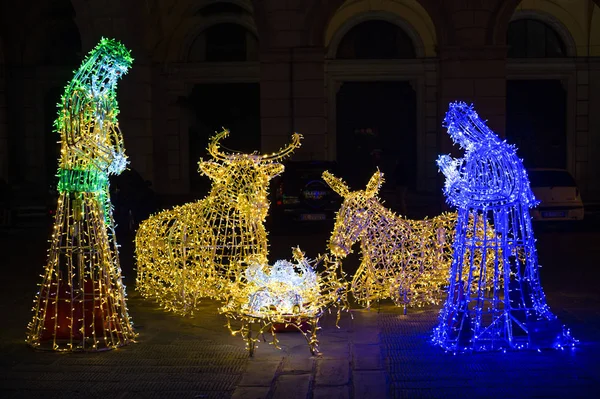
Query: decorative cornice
[{"x": 476, "y": 52}]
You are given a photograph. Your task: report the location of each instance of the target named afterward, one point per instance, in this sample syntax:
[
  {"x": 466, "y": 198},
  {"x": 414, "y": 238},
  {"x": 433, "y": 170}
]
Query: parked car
[
  {"x": 558, "y": 195},
  {"x": 300, "y": 194}
]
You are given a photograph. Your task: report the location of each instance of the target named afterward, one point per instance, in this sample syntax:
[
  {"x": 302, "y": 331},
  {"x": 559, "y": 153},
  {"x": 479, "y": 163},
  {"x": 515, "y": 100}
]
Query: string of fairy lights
[
  {"x": 81, "y": 304},
  {"x": 483, "y": 256},
  {"x": 286, "y": 294},
  {"x": 490, "y": 184},
  {"x": 194, "y": 251},
  {"x": 401, "y": 259}
]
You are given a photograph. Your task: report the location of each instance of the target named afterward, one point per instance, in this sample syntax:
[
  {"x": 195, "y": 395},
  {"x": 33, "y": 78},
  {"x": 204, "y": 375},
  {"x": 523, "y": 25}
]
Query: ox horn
[
  {"x": 213, "y": 146},
  {"x": 284, "y": 152}
]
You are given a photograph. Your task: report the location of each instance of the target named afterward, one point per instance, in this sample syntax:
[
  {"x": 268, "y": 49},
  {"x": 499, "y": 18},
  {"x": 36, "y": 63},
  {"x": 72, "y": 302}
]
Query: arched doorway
[
  {"x": 376, "y": 118},
  {"x": 536, "y": 106},
  {"x": 392, "y": 46}
]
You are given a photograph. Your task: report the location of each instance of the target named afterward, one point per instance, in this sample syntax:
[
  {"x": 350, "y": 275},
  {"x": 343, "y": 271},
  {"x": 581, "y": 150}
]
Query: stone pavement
[{"x": 374, "y": 354}]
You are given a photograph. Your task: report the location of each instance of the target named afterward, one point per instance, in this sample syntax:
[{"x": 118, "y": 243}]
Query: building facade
[{"x": 367, "y": 82}]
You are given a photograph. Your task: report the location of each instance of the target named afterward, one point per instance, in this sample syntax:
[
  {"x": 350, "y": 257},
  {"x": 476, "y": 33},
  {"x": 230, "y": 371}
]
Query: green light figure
[{"x": 81, "y": 304}]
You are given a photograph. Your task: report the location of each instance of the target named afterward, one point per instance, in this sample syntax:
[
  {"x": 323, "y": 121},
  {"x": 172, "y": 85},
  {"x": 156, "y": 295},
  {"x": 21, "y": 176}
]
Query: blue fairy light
[{"x": 490, "y": 184}]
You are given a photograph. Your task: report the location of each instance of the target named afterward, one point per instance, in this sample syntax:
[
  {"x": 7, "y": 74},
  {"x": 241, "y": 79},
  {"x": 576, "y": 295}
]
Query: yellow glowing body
[
  {"x": 314, "y": 297},
  {"x": 402, "y": 259},
  {"x": 194, "y": 250}
]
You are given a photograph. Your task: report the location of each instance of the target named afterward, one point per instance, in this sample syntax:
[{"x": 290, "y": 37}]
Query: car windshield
[{"x": 551, "y": 178}]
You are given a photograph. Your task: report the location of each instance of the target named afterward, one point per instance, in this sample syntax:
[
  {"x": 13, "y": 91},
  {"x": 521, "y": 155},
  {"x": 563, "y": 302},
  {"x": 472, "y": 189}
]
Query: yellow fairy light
[
  {"x": 194, "y": 250},
  {"x": 402, "y": 259},
  {"x": 288, "y": 294},
  {"x": 81, "y": 301}
]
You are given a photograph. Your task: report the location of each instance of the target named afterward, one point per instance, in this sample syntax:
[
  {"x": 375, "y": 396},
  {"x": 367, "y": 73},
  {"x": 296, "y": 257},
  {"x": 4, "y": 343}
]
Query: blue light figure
[{"x": 490, "y": 185}]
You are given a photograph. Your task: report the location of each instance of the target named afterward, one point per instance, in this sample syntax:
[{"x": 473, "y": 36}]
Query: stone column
[
  {"x": 592, "y": 136},
  {"x": 292, "y": 91},
  {"x": 3, "y": 126},
  {"x": 175, "y": 136},
  {"x": 292, "y": 80},
  {"x": 159, "y": 130},
  {"x": 432, "y": 125},
  {"x": 30, "y": 137},
  {"x": 135, "y": 119},
  {"x": 275, "y": 98},
  {"x": 308, "y": 96}
]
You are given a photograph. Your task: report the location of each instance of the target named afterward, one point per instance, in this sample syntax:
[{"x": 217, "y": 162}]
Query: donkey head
[
  {"x": 355, "y": 213},
  {"x": 241, "y": 180}
]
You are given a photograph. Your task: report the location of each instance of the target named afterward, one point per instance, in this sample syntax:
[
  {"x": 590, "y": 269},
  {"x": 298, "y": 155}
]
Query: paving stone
[
  {"x": 298, "y": 363},
  {"x": 367, "y": 357},
  {"x": 335, "y": 350},
  {"x": 400, "y": 392},
  {"x": 185, "y": 395},
  {"x": 332, "y": 372},
  {"x": 339, "y": 392},
  {"x": 366, "y": 335},
  {"x": 259, "y": 373},
  {"x": 49, "y": 385},
  {"x": 369, "y": 384},
  {"x": 132, "y": 395},
  {"x": 197, "y": 358},
  {"x": 30, "y": 394},
  {"x": 292, "y": 386},
  {"x": 226, "y": 383},
  {"x": 251, "y": 393},
  {"x": 173, "y": 377}
]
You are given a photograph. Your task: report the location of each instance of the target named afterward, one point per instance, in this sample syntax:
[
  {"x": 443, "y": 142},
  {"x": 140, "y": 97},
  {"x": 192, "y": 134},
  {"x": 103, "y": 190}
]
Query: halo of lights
[
  {"x": 81, "y": 304},
  {"x": 402, "y": 259},
  {"x": 290, "y": 294},
  {"x": 490, "y": 184},
  {"x": 194, "y": 250}
]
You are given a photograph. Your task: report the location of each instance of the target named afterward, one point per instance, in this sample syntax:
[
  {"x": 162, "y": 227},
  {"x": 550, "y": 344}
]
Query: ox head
[
  {"x": 354, "y": 215},
  {"x": 242, "y": 180}
]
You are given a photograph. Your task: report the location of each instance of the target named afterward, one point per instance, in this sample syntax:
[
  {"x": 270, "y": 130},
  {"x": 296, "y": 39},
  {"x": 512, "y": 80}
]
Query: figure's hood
[{"x": 465, "y": 127}]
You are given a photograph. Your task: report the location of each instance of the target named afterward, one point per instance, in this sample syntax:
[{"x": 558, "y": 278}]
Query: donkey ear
[
  {"x": 336, "y": 184},
  {"x": 211, "y": 169},
  {"x": 374, "y": 184}
]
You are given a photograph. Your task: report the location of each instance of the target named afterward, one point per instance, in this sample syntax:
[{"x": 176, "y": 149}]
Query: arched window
[
  {"x": 376, "y": 39},
  {"x": 221, "y": 8},
  {"x": 531, "y": 38},
  {"x": 61, "y": 41},
  {"x": 224, "y": 42}
]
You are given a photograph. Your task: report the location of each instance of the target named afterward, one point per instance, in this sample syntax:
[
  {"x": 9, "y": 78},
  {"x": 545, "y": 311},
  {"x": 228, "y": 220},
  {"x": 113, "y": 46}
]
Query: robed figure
[
  {"x": 81, "y": 301},
  {"x": 490, "y": 185}
]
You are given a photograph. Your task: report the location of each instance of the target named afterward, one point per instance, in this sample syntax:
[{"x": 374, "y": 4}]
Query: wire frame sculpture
[
  {"x": 402, "y": 259},
  {"x": 81, "y": 303},
  {"x": 194, "y": 250},
  {"x": 286, "y": 294},
  {"x": 490, "y": 184}
]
